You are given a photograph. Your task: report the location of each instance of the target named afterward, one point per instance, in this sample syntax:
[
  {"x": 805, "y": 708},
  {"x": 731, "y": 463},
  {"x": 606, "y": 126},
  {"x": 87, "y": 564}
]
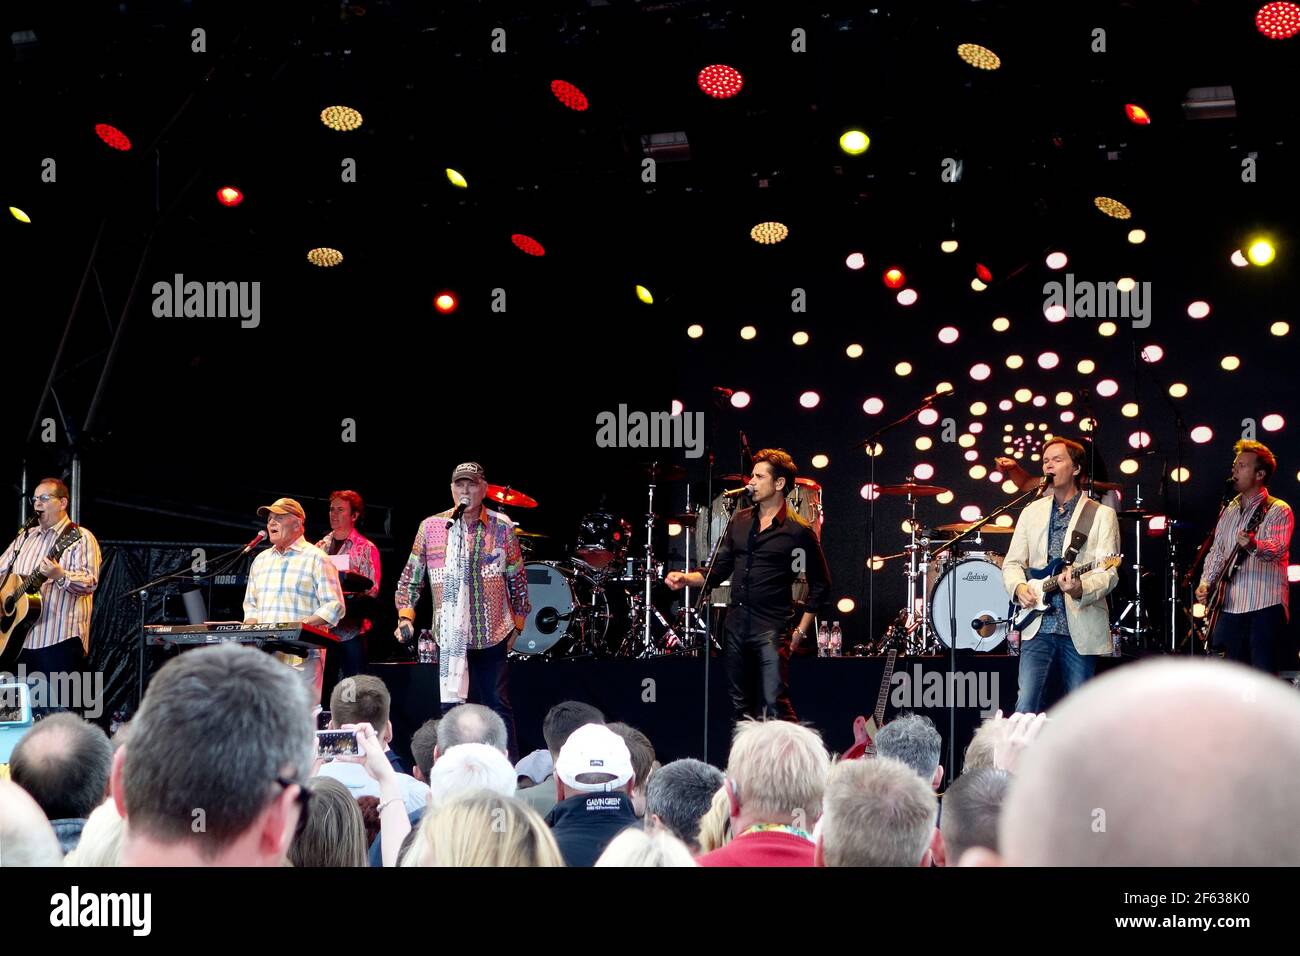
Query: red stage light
[
  {"x": 569, "y": 95},
  {"x": 720, "y": 81},
  {"x": 982, "y": 271},
  {"x": 894, "y": 278},
  {"x": 528, "y": 244},
  {"x": 1278, "y": 21},
  {"x": 112, "y": 136},
  {"x": 1137, "y": 115},
  {"x": 445, "y": 302},
  {"x": 229, "y": 196}
]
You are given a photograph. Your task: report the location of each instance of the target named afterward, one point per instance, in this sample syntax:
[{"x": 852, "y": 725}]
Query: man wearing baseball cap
[
  {"x": 593, "y": 780},
  {"x": 471, "y": 559},
  {"x": 293, "y": 581}
]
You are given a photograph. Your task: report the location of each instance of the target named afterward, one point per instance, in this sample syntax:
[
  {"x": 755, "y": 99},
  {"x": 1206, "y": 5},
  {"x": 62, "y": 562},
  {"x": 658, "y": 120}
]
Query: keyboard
[{"x": 293, "y": 638}]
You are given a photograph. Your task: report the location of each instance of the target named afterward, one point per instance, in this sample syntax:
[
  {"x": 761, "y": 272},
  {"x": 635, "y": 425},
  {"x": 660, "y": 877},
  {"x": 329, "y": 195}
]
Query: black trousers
[
  {"x": 65, "y": 657},
  {"x": 757, "y": 661},
  {"x": 1253, "y": 637},
  {"x": 489, "y": 685}
]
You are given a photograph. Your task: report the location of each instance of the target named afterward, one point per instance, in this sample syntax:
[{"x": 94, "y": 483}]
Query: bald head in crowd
[
  {"x": 26, "y": 837},
  {"x": 1163, "y": 763}
]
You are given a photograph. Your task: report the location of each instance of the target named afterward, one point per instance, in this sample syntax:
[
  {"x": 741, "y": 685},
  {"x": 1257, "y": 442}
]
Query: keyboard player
[{"x": 293, "y": 581}]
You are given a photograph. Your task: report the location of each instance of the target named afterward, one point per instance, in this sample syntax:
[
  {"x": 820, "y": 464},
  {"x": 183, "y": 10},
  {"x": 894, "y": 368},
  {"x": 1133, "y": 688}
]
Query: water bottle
[
  {"x": 823, "y": 638},
  {"x": 428, "y": 650},
  {"x": 837, "y": 639}
]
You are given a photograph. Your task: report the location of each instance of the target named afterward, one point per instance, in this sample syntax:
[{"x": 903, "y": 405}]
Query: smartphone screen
[{"x": 337, "y": 743}]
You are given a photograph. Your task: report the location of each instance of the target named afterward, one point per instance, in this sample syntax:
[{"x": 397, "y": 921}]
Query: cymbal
[
  {"x": 530, "y": 534},
  {"x": 505, "y": 495},
  {"x": 961, "y": 526},
  {"x": 353, "y": 583},
  {"x": 807, "y": 483},
  {"x": 1136, "y": 514},
  {"x": 686, "y": 520},
  {"x": 661, "y": 470},
  {"x": 923, "y": 491},
  {"x": 1105, "y": 485},
  {"x": 730, "y": 479}
]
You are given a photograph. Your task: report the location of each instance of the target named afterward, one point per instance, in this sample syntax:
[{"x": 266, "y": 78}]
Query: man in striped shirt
[
  {"x": 471, "y": 559},
  {"x": 60, "y": 640},
  {"x": 1255, "y": 608},
  {"x": 293, "y": 581}
]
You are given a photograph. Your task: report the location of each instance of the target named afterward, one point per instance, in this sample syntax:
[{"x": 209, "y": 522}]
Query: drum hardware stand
[
  {"x": 948, "y": 545},
  {"x": 870, "y": 444},
  {"x": 1141, "y": 627},
  {"x": 708, "y": 618}
]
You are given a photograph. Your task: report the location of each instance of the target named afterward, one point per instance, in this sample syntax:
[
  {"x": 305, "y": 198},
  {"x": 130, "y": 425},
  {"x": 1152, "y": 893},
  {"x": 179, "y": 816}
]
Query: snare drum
[
  {"x": 602, "y": 540},
  {"x": 979, "y": 595}
]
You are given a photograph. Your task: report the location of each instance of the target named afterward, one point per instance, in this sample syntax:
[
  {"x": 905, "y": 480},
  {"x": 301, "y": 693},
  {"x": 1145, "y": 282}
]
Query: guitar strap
[{"x": 1081, "y": 530}]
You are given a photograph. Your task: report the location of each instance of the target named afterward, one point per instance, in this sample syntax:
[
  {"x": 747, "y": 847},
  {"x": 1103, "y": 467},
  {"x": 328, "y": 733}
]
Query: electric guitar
[
  {"x": 1236, "y": 558},
  {"x": 877, "y": 719},
  {"x": 1042, "y": 582},
  {"x": 20, "y": 601}
]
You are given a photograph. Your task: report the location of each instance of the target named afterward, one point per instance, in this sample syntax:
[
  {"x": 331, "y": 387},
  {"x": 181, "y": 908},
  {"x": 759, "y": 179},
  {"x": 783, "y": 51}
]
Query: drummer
[{"x": 355, "y": 555}]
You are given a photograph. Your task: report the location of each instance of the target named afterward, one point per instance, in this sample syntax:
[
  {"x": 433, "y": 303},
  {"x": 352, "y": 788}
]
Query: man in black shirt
[{"x": 767, "y": 548}]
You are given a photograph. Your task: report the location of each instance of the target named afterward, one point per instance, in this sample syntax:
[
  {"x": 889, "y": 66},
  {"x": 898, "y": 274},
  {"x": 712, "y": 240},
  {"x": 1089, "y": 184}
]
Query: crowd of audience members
[{"x": 219, "y": 768}]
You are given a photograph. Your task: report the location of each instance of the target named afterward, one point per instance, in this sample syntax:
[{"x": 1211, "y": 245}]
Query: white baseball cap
[{"x": 594, "y": 749}]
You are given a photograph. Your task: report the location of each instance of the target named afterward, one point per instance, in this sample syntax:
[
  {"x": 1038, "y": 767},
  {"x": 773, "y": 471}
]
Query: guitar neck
[
  {"x": 1050, "y": 584},
  {"x": 883, "y": 697}
]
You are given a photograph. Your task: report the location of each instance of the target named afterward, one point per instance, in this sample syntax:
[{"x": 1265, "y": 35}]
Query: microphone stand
[
  {"x": 873, "y": 494},
  {"x": 952, "y": 613},
  {"x": 143, "y": 591},
  {"x": 708, "y": 631}
]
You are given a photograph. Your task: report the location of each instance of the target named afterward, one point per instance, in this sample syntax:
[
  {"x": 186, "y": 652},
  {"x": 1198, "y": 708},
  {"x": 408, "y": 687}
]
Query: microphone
[
  {"x": 253, "y": 544},
  {"x": 33, "y": 521},
  {"x": 987, "y": 626},
  {"x": 736, "y": 492},
  {"x": 1042, "y": 485},
  {"x": 933, "y": 395},
  {"x": 460, "y": 510}
]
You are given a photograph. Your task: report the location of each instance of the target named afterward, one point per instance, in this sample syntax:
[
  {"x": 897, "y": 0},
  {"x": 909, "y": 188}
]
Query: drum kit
[
  {"x": 601, "y": 600},
  {"x": 947, "y": 582}
]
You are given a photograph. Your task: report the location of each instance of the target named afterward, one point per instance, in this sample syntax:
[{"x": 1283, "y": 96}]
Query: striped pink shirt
[
  {"x": 66, "y": 603},
  {"x": 1260, "y": 581}
]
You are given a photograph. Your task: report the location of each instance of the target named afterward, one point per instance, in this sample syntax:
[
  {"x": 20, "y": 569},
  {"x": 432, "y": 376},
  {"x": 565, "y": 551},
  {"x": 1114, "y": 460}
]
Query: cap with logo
[
  {"x": 594, "y": 751},
  {"x": 469, "y": 469}
]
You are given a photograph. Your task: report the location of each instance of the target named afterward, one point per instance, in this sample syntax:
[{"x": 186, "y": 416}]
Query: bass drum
[
  {"x": 979, "y": 595},
  {"x": 568, "y": 611}
]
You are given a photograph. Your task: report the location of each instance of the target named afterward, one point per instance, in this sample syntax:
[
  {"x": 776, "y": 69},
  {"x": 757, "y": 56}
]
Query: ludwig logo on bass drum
[{"x": 975, "y": 576}]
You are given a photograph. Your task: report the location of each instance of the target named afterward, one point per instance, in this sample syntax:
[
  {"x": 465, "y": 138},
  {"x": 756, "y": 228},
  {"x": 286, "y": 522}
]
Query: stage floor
[{"x": 664, "y": 697}]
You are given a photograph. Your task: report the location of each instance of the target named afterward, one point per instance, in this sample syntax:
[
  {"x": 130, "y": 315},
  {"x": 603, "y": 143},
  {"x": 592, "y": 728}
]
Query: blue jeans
[{"x": 1038, "y": 657}]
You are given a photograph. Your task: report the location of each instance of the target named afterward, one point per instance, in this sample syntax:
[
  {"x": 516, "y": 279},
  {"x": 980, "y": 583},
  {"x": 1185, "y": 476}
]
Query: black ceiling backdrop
[{"x": 205, "y": 414}]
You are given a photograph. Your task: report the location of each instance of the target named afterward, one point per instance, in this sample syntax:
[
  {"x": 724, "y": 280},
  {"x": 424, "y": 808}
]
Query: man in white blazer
[{"x": 1075, "y": 627}]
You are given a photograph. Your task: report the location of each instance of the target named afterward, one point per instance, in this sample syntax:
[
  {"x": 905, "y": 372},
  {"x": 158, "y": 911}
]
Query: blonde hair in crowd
[{"x": 482, "y": 828}]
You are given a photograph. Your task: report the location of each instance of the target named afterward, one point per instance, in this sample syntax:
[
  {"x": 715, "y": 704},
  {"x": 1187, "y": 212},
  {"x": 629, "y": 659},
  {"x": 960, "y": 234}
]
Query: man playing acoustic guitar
[{"x": 53, "y": 631}]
